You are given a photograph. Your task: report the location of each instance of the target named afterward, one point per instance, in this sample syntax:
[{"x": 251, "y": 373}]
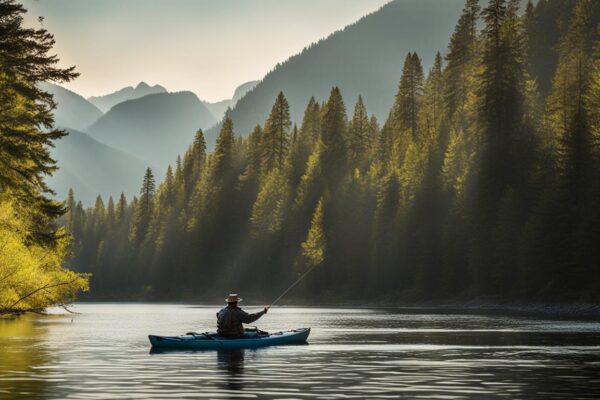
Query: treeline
[
  {"x": 484, "y": 181},
  {"x": 32, "y": 246}
]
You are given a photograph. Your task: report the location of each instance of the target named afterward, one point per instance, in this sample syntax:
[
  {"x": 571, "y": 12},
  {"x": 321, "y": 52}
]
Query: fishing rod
[{"x": 293, "y": 284}]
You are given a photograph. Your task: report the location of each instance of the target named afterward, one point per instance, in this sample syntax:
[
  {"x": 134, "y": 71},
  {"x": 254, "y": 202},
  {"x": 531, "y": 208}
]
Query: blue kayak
[{"x": 211, "y": 340}]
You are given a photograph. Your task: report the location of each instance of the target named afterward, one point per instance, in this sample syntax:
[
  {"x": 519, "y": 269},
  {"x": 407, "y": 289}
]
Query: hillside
[
  {"x": 106, "y": 102},
  {"x": 73, "y": 111},
  {"x": 364, "y": 58},
  {"x": 155, "y": 128},
  {"x": 90, "y": 168}
]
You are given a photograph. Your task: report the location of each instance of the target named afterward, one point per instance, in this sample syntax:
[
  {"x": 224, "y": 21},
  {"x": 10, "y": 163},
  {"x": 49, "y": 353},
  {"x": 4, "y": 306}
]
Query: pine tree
[
  {"x": 254, "y": 149},
  {"x": 143, "y": 208},
  {"x": 433, "y": 102},
  {"x": 408, "y": 99},
  {"x": 223, "y": 155},
  {"x": 27, "y": 120},
  {"x": 461, "y": 59},
  {"x": 121, "y": 207},
  {"x": 501, "y": 98},
  {"x": 311, "y": 121},
  {"x": 359, "y": 134},
  {"x": 333, "y": 137},
  {"x": 315, "y": 247},
  {"x": 194, "y": 161},
  {"x": 276, "y": 138}
]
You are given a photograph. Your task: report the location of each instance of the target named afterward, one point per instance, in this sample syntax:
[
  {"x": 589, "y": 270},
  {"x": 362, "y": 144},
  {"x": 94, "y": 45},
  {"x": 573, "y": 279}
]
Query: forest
[
  {"x": 482, "y": 183},
  {"x": 34, "y": 249}
]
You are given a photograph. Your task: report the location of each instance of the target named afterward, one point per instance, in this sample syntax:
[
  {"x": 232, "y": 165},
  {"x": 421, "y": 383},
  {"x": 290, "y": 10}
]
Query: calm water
[{"x": 353, "y": 353}]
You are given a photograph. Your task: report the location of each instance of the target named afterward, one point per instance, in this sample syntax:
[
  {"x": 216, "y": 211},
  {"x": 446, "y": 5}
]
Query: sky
[{"x": 208, "y": 47}]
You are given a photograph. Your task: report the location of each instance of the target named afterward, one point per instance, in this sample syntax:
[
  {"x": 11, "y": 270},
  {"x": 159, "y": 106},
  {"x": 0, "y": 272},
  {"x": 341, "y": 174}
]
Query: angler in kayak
[{"x": 231, "y": 318}]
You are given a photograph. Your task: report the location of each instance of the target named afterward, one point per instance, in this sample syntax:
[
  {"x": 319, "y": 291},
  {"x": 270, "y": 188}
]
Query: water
[{"x": 352, "y": 353}]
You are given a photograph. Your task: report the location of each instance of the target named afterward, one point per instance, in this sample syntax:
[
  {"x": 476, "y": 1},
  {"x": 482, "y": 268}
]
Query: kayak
[{"x": 211, "y": 340}]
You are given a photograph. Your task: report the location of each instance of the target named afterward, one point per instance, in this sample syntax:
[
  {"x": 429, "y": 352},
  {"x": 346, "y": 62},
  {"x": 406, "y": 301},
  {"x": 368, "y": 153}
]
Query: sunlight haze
[{"x": 209, "y": 47}]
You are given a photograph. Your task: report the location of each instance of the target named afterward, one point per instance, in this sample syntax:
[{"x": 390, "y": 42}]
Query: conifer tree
[
  {"x": 433, "y": 102},
  {"x": 359, "y": 134},
  {"x": 121, "y": 207},
  {"x": 408, "y": 99},
  {"x": 315, "y": 247},
  {"x": 27, "y": 120},
  {"x": 254, "y": 149},
  {"x": 460, "y": 59},
  {"x": 143, "y": 208},
  {"x": 223, "y": 156},
  {"x": 276, "y": 138},
  {"x": 311, "y": 121},
  {"x": 501, "y": 97},
  {"x": 333, "y": 137},
  {"x": 194, "y": 161}
]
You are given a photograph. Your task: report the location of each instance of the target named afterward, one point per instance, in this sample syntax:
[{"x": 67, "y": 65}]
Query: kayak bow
[{"x": 251, "y": 339}]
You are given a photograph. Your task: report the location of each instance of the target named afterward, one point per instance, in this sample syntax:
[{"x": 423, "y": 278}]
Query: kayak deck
[{"x": 211, "y": 340}]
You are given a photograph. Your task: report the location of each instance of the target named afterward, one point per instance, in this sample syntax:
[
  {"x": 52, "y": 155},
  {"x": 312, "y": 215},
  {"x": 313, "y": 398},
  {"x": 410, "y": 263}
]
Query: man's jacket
[{"x": 230, "y": 320}]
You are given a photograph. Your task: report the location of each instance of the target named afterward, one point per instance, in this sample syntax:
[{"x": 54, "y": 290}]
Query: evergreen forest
[{"x": 483, "y": 182}]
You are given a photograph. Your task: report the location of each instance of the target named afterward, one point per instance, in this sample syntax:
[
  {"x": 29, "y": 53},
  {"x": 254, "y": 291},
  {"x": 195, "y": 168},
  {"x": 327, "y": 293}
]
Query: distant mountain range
[
  {"x": 364, "y": 58},
  {"x": 92, "y": 168},
  {"x": 106, "y": 102},
  {"x": 149, "y": 127},
  {"x": 155, "y": 128}
]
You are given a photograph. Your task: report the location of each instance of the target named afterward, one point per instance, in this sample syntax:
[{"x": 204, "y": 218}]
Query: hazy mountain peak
[
  {"x": 108, "y": 101},
  {"x": 156, "y": 127},
  {"x": 142, "y": 85}
]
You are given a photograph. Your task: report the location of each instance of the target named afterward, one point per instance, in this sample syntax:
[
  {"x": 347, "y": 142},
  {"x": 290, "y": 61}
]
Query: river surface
[{"x": 104, "y": 352}]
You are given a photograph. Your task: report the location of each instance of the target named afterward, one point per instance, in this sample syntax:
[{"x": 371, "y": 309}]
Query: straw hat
[{"x": 233, "y": 298}]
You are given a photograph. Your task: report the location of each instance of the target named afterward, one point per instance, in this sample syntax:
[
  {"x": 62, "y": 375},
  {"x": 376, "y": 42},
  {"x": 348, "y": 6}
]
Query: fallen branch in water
[{"x": 21, "y": 311}]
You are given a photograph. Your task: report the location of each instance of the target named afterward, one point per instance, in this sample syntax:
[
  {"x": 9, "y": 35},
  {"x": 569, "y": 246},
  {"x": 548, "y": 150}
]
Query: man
[{"x": 231, "y": 318}]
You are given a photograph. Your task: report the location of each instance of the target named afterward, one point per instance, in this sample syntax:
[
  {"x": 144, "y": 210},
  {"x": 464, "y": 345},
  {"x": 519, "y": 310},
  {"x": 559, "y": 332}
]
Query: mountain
[
  {"x": 72, "y": 111},
  {"x": 364, "y": 58},
  {"x": 218, "y": 109},
  {"x": 155, "y": 128},
  {"x": 106, "y": 102},
  {"x": 92, "y": 168}
]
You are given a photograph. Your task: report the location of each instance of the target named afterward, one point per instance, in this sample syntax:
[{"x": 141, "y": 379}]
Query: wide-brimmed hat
[{"x": 233, "y": 298}]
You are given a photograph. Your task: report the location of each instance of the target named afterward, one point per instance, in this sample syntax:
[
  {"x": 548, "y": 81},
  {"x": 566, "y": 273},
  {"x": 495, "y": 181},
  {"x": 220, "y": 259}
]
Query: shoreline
[{"x": 558, "y": 310}]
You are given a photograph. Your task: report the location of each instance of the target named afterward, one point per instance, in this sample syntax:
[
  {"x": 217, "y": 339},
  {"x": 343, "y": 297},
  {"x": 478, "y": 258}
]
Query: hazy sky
[{"x": 209, "y": 47}]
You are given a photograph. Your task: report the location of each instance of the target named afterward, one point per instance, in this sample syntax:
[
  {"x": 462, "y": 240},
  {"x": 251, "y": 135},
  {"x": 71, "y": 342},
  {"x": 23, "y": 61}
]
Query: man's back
[{"x": 231, "y": 318}]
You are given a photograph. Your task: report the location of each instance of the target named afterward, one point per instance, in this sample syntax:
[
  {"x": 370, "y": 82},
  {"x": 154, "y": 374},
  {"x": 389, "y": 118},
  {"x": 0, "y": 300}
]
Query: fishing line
[{"x": 293, "y": 284}]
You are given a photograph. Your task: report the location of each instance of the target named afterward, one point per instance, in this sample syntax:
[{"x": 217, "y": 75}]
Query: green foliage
[
  {"x": 315, "y": 246},
  {"x": 276, "y": 140},
  {"x": 408, "y": 99},
  {"x": 32, "y": 247}
]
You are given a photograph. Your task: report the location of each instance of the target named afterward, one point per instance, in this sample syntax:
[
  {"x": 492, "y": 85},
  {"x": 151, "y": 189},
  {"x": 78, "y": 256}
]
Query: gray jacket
[{"x": 230, "y": 320}]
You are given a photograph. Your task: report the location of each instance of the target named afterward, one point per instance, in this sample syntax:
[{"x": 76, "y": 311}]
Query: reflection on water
[
  {"x": 21, "y": 355},
  {"x": 231, "y": 363},
  {"x": 353, "y": 353}
]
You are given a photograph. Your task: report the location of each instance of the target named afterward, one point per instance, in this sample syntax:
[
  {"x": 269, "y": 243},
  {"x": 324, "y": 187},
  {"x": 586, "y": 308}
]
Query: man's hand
[{"x": 267, "y": 309}]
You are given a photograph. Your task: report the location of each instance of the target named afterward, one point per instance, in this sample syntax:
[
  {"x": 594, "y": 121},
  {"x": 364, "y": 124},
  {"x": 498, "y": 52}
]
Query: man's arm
[{"x": 249, "y": 318}]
